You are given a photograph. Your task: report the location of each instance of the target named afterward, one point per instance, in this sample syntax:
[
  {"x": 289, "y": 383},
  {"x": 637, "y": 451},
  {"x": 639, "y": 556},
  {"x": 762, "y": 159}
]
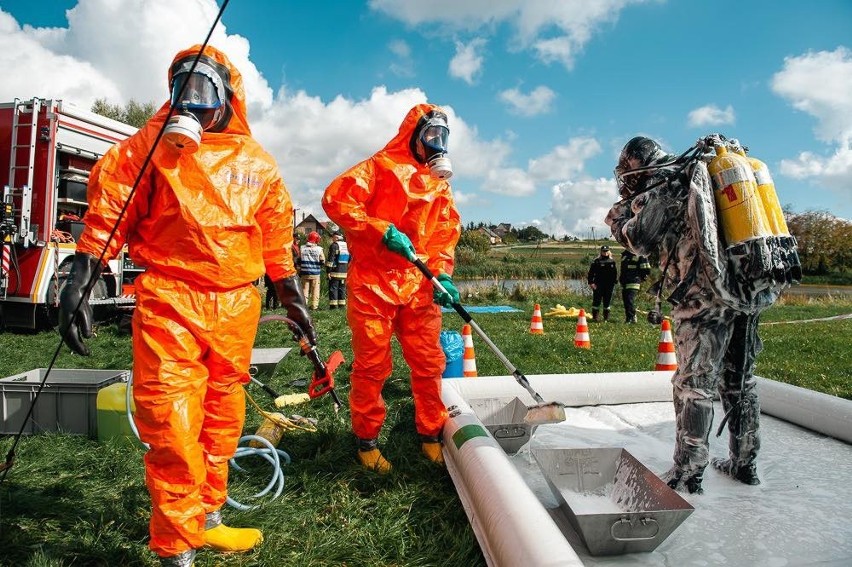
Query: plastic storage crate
[{"x": 67, "y": 403}]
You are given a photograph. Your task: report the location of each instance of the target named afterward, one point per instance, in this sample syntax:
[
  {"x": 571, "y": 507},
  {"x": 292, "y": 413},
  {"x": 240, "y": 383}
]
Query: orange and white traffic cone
[
  {"x": 581, "y": 337},
  {"x": 469, "y": 360},
  {"x": 666, "y": 359},
  {"x": 536, "y": 325}
]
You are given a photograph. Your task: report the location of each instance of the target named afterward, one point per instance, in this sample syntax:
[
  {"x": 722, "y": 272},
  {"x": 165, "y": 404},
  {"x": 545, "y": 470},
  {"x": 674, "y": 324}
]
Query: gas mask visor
[
  {"x": 197, "y": 98},
  {"x": 629, "y": 176},
  {"x": 433, "y": 140},
  {"x": 200, "y": 93}
]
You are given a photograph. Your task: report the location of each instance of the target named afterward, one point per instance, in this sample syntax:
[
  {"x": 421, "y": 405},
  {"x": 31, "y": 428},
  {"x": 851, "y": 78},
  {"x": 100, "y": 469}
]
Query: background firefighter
[
  {"x": 670, "y": 209},
  {"x": 634, "y": 270},
  {"x": 603, "y": 273},
  {"x": 337, "y": 266},
  {"x": 209, "y": 217},
  {"x": 393, "y": 204}
]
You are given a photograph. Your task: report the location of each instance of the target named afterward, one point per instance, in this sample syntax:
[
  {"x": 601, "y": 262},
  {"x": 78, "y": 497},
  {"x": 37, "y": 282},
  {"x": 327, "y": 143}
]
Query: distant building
[
  {"x": 309, "y": 224},
  {"x": 492, "y": 236},
  {"x": 503, "y": 229}
]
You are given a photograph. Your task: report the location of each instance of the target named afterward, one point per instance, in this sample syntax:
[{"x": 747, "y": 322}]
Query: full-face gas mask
[
  {"x": 635, "y": 164},
  {"x": 429, "y": 144},
  {"x": 200, "y": 99}
]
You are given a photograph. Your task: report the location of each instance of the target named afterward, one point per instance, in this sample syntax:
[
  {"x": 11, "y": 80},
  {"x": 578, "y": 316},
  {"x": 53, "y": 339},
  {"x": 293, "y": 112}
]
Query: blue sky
[{"x": 541, "y": 94}]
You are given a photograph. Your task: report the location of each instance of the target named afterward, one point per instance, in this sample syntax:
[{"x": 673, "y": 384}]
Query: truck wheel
[{"x": 49, "y": 316}]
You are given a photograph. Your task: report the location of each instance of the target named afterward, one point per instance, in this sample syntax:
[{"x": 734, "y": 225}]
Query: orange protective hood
[
  {"x": 239, "y": 122},
  {"x": 399, "y": 148}
]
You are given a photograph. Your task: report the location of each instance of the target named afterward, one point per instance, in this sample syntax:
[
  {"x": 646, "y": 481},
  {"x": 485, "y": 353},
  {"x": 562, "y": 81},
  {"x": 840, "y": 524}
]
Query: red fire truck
[{"x": 48, "y": 148}]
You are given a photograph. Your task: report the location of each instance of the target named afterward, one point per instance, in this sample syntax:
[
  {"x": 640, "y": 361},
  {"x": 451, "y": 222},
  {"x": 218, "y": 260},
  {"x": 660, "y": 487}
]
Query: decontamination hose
[{"x": 268, "y": 452}]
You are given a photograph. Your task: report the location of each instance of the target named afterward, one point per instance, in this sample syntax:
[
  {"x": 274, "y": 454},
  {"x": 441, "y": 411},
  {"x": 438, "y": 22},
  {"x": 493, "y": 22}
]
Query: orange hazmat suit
[
  {"x": 204, "y": 226},
  {"x": 386, "y": 293}
]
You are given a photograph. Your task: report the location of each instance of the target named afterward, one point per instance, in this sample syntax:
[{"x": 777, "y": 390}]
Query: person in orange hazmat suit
[
  {"x": 210, "y": 215},
  {"x": 392, "y": 206}
]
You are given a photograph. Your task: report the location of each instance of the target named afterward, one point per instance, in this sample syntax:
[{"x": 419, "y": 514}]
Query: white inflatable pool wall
[{"x": 513, "y": 528}]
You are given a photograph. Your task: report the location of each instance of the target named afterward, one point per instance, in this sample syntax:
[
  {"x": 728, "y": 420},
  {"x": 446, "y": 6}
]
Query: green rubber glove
[
  {"x": 398, "y": 242},
  {"x": 452, "y": 295}
]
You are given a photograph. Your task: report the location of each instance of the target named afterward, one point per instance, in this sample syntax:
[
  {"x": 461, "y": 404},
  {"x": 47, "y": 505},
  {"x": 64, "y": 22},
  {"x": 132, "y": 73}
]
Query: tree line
[{"x": 825, "y": 241}]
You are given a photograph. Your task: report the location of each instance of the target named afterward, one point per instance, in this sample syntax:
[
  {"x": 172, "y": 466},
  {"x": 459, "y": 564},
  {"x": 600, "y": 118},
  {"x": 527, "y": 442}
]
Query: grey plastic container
[
  {"x": 505, "y": 421},
  {"x": 67, "y": 403},
  {"x": 613, "y": 502}
]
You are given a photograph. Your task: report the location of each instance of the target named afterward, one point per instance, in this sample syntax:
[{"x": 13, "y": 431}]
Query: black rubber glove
[
  {"x": 84, "y": 273},
  {"x": 291, "y": 298}
]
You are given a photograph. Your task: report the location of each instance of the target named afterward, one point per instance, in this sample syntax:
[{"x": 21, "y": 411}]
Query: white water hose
[{"x": 268, "y": 452}]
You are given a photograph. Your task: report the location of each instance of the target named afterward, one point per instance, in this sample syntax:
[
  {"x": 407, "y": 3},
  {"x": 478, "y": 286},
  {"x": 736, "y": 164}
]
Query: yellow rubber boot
[
  {"x": 374, "y": 461},
  {"x": 432, "y": 450},
  {"x": 231, "y": 540}
]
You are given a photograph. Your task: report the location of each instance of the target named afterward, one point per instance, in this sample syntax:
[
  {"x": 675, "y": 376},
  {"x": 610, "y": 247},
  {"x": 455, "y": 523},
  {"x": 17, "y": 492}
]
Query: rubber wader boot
[
  {"x": 371, "y": 458},
  {"x": 219, "y": 537},
  {"x": 679, "y": 480},
  {"x": 746, "y": 474},
  {"x": 185, "y": 559},
  {"x": 431, "y": 447},
  {"x": 594, "y": 314}
]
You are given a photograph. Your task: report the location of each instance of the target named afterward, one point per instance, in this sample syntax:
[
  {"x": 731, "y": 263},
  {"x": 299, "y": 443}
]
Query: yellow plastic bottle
[
  {"x": 740, "y": 210},
  {"x": 271, "y": 429},
  {"x": 112, "y": 412}
]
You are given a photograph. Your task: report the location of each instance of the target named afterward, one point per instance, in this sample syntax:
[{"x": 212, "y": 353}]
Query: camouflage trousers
[{"x": 716, "y": 351}]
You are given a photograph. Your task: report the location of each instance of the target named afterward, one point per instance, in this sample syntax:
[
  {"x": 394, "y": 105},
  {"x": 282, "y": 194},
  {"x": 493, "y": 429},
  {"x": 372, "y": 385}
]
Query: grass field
[{"x": 70, "y": 500}]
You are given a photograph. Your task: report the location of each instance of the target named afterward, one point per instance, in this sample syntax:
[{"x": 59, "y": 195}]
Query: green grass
[{"x": 74, "y": 501}]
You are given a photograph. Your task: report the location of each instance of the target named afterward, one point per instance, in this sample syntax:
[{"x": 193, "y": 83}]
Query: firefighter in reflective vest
[
  {"x": 337, "y": 263},
  {"x": 634, "y": 270}
]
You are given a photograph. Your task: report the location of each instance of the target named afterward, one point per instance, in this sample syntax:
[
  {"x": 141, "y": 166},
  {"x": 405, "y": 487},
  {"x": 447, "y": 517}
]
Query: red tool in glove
[{"x": 322, "y": 379}]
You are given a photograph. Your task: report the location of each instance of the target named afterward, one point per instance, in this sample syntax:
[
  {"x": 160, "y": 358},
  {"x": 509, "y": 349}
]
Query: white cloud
[
  {"x": 577, "y": 207},
  {"x": 556, "y": 31},
  {"x": 403, "y": 65},
  {"x": 466, "y": 64},
  {"x": 463, "y": 197},
  {"x": 115, "y": 50},
  {"x": 711, "y": 115},
  {"x": 564, "y": 162},
  {"x": 513, "y": 182},
  {"x": 538, "y": 101},
  {"x": 835, "y": 171},
  {"x": 820, "y": 83}
]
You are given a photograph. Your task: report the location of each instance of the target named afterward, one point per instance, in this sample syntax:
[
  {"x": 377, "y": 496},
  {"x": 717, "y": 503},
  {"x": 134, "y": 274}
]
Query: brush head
[
  {"x": 291, "y": 400},
  {"x": 541, "y": 414}
]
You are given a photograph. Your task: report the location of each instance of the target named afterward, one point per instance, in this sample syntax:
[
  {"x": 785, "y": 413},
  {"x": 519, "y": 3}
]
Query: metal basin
[
  {"x": 615, "y": 503},
  {"x": 505, "y": 421},
  {"x": 265, "y": 360}
]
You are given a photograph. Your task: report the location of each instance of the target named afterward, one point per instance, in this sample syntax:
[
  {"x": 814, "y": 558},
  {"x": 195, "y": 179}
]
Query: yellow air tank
[
  {"x": 768, "y": 196},
  {"x": 740, "y": 210}
]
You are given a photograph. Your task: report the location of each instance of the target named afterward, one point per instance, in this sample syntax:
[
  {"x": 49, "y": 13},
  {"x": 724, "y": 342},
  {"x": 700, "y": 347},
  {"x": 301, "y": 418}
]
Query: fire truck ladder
[{"x": 24, "y": 125}]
